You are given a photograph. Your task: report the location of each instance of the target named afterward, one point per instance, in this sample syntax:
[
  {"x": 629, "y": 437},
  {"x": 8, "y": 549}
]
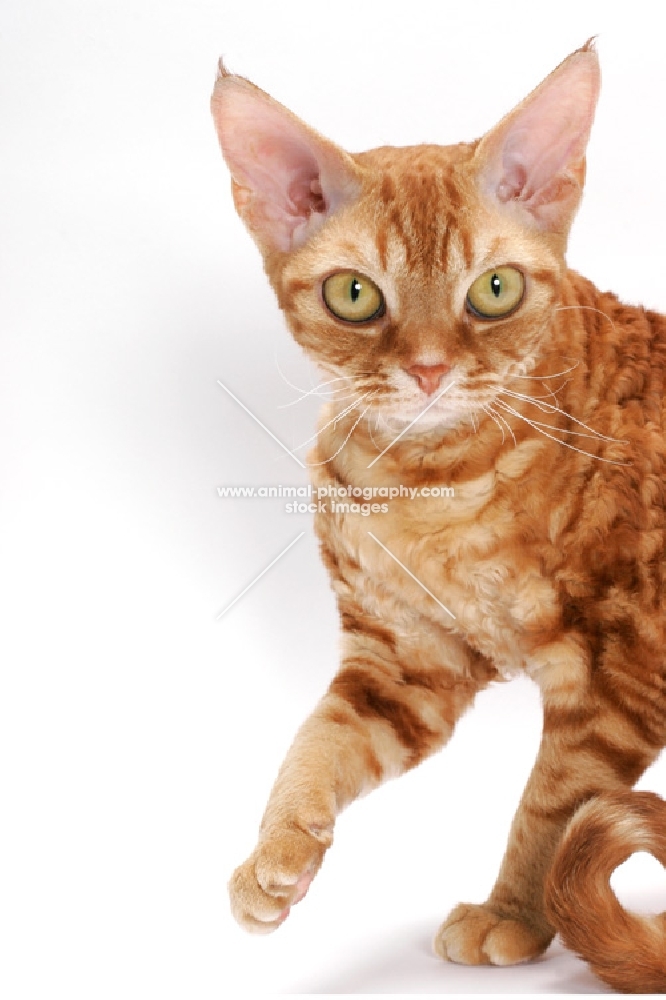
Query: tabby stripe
[
  {"x": 567, "y": 718},
  {"x": 351, "y": 622},
  {"x": 330, "y": 560},
  {"x": 466, "y": 241},
  {"x": 560, "y": 813},
  {"x": 348, "y": 720},
  {"x": 444, "y": 249},
  {"x": 371, "y": 697},
  {"x": 649, "y": 731},
  {"x": 452, "y": 192},
  {"x": 387, "y": 191},
  {"x": 382, "y": 247},
  {"x": 287, "y": 293},
  {"x": 627, "y": 764}
]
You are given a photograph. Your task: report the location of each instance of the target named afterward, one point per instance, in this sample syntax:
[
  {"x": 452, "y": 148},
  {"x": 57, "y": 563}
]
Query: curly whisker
[
  {"x": 538, "y": 426},
  {"x": 489, "y": 412},
  {"x": 504, "y": 421},
  {"x": 549, "y": 392},
  {"x": 553, "y": 392},
  {"x": 333, "y": 420},
  {"x": 315, "y": 391},
  {"x": 542, "y": 378},
  {"x": 589, "y": 309},
  {"x": 372, "y": 436},
  {"x": 549, "y": 408},
  {"x": 284, "y": 377},
  {"x": 311, "y": 465}
]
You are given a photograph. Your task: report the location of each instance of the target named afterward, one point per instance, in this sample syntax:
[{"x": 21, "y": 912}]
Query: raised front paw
[
  {"x": 277, "y": 875},
  {"x": 481, "y": 935}
]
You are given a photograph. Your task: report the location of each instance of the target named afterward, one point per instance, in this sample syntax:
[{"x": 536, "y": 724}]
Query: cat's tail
[{"x": 624, "y": 949}]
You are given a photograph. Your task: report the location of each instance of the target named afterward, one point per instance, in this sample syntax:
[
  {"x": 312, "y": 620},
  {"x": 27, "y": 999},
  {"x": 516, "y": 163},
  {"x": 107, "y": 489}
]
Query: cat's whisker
[
  {"x": 351, "y": 396},
  {"x": 554, "y": 392},
  {"x": 489, "y": 412},
  {"x": 333, "y": 420},
  {"x": 372, "y": 436},
  {"x": 381, "y": 418},
  {"x": 328, "y": 398},
  {"x": 505, "y": 422},
  {"x": 473, "y": 422},
  {"x": 542, "y": 378},
  {"x": 507, "y": 425},
  {"x": 550, "y": 408},
  {"x": 284, "y": 377},
  {"x": 549, "y": 392},
  {"x": 315, "y": 391},
  {"x": 311, "y": 465},
  {"x": 566, "y": 430},
  {"x": 333, "y": 396},
  {"x": 386, "y": 423},
  {"x": 538, "y": 426},
  {"x": 384, "y": 426},
  {"x": 590, "y": 309}
]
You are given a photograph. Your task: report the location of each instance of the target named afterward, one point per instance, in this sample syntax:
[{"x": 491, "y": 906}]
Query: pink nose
[{"x": 428, "y": 376}]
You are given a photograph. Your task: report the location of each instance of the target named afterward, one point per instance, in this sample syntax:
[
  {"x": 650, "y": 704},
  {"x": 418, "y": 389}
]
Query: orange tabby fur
[{"x": 550, "y": 557}]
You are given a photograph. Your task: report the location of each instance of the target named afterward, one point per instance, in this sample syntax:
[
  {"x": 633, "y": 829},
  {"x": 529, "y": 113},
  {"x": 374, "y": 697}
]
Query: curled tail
[{"x": 624, "y": 949}]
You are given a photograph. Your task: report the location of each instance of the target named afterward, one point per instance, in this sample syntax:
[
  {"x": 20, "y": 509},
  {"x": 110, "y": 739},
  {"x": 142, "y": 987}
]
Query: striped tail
[{"x": 625, "y": 950}]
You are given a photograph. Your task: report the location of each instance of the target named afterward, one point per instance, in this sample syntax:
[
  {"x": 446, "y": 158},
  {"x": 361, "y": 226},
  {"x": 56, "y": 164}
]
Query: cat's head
[{"x": 406, "y": 269}]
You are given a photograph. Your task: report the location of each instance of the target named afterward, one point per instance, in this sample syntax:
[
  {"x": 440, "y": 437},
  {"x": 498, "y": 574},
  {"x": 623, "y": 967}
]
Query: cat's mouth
[{"x": 449, "y": 405}]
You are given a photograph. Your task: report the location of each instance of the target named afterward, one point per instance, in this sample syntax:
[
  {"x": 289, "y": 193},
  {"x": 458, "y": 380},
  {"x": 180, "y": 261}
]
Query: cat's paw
[
  {"x": 481, "y": 935},
  {"x": 277, "y": 875}
]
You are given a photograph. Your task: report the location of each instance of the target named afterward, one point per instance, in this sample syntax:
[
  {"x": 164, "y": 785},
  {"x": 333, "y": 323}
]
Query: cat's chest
[{"x": 455, "y": 561}]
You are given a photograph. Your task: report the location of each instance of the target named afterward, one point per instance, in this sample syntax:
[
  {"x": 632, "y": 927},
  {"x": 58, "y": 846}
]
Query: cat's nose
[{"x": 428, "y": 376}]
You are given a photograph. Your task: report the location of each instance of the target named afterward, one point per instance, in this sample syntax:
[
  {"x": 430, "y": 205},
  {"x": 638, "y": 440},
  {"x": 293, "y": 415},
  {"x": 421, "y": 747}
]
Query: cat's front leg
[
  {"x": 329, "y": 761},
  {"x": 380, "y": 716}
]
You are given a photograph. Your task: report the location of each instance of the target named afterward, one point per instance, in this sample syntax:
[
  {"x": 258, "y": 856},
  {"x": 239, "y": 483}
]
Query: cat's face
[
  {"x": 416, "y": 277},
  {"x": 415, "y": 260}
]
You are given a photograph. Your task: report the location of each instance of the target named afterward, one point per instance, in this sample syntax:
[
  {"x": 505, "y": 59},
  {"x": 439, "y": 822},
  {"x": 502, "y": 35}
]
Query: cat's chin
[{"x": 398, "y": 418}]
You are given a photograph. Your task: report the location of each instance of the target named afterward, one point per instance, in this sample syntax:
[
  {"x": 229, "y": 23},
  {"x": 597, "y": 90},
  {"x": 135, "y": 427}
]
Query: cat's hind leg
[{"x": 586, "y": 748}]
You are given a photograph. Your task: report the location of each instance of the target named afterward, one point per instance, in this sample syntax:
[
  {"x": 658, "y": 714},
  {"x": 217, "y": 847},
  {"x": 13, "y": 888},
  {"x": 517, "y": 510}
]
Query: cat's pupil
[
  {"x": 355, "y": 289},
  {"x": 495, "y": 286}
]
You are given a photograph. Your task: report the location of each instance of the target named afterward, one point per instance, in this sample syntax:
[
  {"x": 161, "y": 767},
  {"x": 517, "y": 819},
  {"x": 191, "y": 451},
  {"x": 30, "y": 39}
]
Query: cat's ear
[
  {"x": 534, "y": 160},
  {"x": 287, "y": 179}
]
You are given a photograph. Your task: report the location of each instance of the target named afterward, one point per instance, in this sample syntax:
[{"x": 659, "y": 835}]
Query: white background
[{"x": 139, "y": 736}]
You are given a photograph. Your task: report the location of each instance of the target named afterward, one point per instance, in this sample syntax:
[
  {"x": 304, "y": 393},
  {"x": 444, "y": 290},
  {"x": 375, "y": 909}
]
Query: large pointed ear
[
  {"x": 535, "y": 158},
  {"x": 287, "y": 179}
]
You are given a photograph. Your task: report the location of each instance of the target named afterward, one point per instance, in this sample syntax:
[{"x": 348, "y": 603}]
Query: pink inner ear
[
  {"x": 533, "y": 155},
  {"x": 543, "y": 145},
  {"x": 293, "y": 175},
  {"x": 283, "y": 170},
  {"x": 514, "y": 174}
]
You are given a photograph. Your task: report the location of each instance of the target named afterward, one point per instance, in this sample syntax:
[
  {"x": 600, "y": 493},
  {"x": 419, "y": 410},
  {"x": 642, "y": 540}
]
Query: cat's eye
[
  {"x": 496, "y": 293},
  {"x": 352, "y": 297}
]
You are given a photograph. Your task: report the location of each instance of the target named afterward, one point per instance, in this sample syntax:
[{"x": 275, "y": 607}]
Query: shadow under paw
[{"x": 480, "y": 935}]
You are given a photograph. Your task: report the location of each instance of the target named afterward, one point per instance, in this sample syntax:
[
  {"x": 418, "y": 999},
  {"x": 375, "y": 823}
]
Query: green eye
[
  {"x": 352, "y": 297},
  {"x": 496, "y": 293}
]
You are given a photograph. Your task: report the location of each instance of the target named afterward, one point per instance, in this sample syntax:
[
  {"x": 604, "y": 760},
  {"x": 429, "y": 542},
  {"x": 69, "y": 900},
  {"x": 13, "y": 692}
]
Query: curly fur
[{"x": 550, "y": 558}]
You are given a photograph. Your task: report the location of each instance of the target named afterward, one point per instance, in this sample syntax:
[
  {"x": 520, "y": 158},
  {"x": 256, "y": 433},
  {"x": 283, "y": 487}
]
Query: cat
[{"x": 430, "y": 283}]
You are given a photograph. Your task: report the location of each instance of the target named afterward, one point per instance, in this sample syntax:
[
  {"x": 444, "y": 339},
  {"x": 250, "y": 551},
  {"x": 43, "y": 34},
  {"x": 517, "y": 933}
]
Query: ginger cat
[{"x": 431, "y": 282}]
